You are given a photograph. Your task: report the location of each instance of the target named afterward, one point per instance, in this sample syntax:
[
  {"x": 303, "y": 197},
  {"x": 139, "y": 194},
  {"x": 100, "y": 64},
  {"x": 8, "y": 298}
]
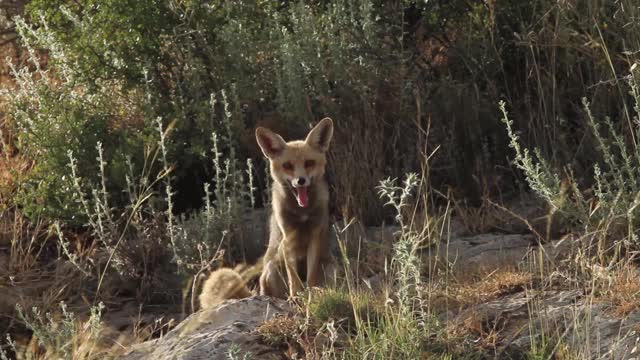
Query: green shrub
[
  {"x": 380, "y": 69},
  {"x": 611, "y": 207},
  {"x": 116, "y": 66},
  {"x": 64, "y": 335},
  {"x": 56, "y": 113}
]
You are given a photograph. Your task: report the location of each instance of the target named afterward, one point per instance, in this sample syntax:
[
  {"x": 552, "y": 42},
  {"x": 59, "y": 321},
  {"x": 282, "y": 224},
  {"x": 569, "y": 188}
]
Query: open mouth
[{"x": 302, "y": 196}]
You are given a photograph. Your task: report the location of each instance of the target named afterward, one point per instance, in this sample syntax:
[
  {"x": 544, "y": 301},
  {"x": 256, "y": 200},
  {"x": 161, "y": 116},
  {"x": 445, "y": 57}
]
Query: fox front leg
[
  {"x": 295, "y": 284},
  {"x": 272, "y": 282},
  {"x": 289, "y": 253},
  {"x": 315, "y": 254}
]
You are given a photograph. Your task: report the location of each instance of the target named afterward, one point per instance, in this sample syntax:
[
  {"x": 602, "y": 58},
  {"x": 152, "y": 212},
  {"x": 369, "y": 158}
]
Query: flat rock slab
[
  {"x": 488, "y": 249},
  {"x": 214, "y": 333},
  {"x": 496, "y": 251},
  {"x": 566, "y": 315}
]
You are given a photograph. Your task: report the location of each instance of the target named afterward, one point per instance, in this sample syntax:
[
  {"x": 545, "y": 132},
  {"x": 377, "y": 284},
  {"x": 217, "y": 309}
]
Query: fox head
[{"x": 297, "y": 164}]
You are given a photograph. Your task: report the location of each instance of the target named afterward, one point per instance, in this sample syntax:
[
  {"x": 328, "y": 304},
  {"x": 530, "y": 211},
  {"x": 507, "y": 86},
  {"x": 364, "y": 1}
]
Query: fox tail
[{"x": 227, "y": 283}]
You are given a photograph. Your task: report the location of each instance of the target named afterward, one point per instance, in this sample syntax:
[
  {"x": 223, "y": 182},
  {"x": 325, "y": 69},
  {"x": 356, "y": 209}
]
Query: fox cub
[{"x": 299, "y": 223}]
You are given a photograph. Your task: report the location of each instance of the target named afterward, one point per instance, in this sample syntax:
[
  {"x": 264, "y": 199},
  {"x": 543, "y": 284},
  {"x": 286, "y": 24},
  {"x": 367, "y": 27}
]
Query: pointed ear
[
  {"x": 320, "y": 136},
  {"x": 271, "y": 143}
]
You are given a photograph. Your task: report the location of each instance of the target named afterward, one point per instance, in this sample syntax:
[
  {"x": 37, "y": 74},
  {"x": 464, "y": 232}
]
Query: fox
[
  {"x": 299, "y": 221},
  {"x": 298, "y": 225}
]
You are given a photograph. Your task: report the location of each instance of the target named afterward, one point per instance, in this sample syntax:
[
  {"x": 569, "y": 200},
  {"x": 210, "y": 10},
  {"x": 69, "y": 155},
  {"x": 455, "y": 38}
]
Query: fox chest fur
[{"x": 294, "y": 225}]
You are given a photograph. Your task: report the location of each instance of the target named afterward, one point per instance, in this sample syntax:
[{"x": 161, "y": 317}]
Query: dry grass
[
  {"x": 12, "y": 169},
  {"x": 296, "y": 336},
  {"x": 471, "y": 289},
  {"x": 467, "y": 328},
  {"x": 478, "y": 220},
  {"x": 281, "y": 330},
  {"x": 358, "y": 199},
  {"x": 623, "y": 291}
]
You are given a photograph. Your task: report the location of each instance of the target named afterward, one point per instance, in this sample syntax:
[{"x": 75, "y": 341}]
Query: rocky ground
[
  {"x": 510, "y": 314},
  {"x": 213, "y": 333}
]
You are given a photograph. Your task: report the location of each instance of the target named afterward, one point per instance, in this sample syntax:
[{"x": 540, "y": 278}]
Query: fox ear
[
  {"x": 320, "y": 136},
  {"x": 271, "y": 143}
]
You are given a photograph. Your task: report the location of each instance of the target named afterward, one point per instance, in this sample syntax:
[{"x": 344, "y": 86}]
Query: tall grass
[{"x": 396, "y": 322}]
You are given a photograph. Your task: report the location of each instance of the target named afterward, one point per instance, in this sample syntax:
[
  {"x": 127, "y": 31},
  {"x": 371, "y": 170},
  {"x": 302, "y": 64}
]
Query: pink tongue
[{"x": 301, "y": 196}]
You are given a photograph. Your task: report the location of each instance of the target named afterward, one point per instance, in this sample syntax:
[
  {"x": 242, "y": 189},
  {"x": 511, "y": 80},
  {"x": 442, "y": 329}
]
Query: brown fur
[
  {"x": 221, "y": 285},
  {"x": 299, "y": 236}
]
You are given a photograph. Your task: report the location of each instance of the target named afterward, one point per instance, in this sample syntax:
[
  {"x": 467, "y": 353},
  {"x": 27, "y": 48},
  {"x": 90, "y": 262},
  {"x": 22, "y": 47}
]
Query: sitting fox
[{"x": 299, "y": 224}]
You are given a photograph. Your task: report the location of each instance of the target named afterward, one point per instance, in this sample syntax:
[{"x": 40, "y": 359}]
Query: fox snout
[{"x": 301, "y": 181}]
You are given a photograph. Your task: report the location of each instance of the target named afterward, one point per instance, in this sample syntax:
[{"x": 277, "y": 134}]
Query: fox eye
[
  {"x": 309, "y": 163},
  {"x": 287, "y": 166}
]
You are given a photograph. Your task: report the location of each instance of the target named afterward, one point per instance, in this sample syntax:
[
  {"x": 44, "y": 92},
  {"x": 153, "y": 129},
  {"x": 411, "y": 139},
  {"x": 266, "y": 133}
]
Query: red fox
[{"x": 299, "y": 223}]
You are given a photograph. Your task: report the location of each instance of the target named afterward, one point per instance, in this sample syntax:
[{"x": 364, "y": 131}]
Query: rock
[
  {"x": 214, "y": 333},
  {"x": 382, "y": 234},
  {"x": 495, "y": 251},
  {"x": 486, "y": 251},
  {"x": 607, "y": 337},
  {"x": 568, "y": 316}
]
